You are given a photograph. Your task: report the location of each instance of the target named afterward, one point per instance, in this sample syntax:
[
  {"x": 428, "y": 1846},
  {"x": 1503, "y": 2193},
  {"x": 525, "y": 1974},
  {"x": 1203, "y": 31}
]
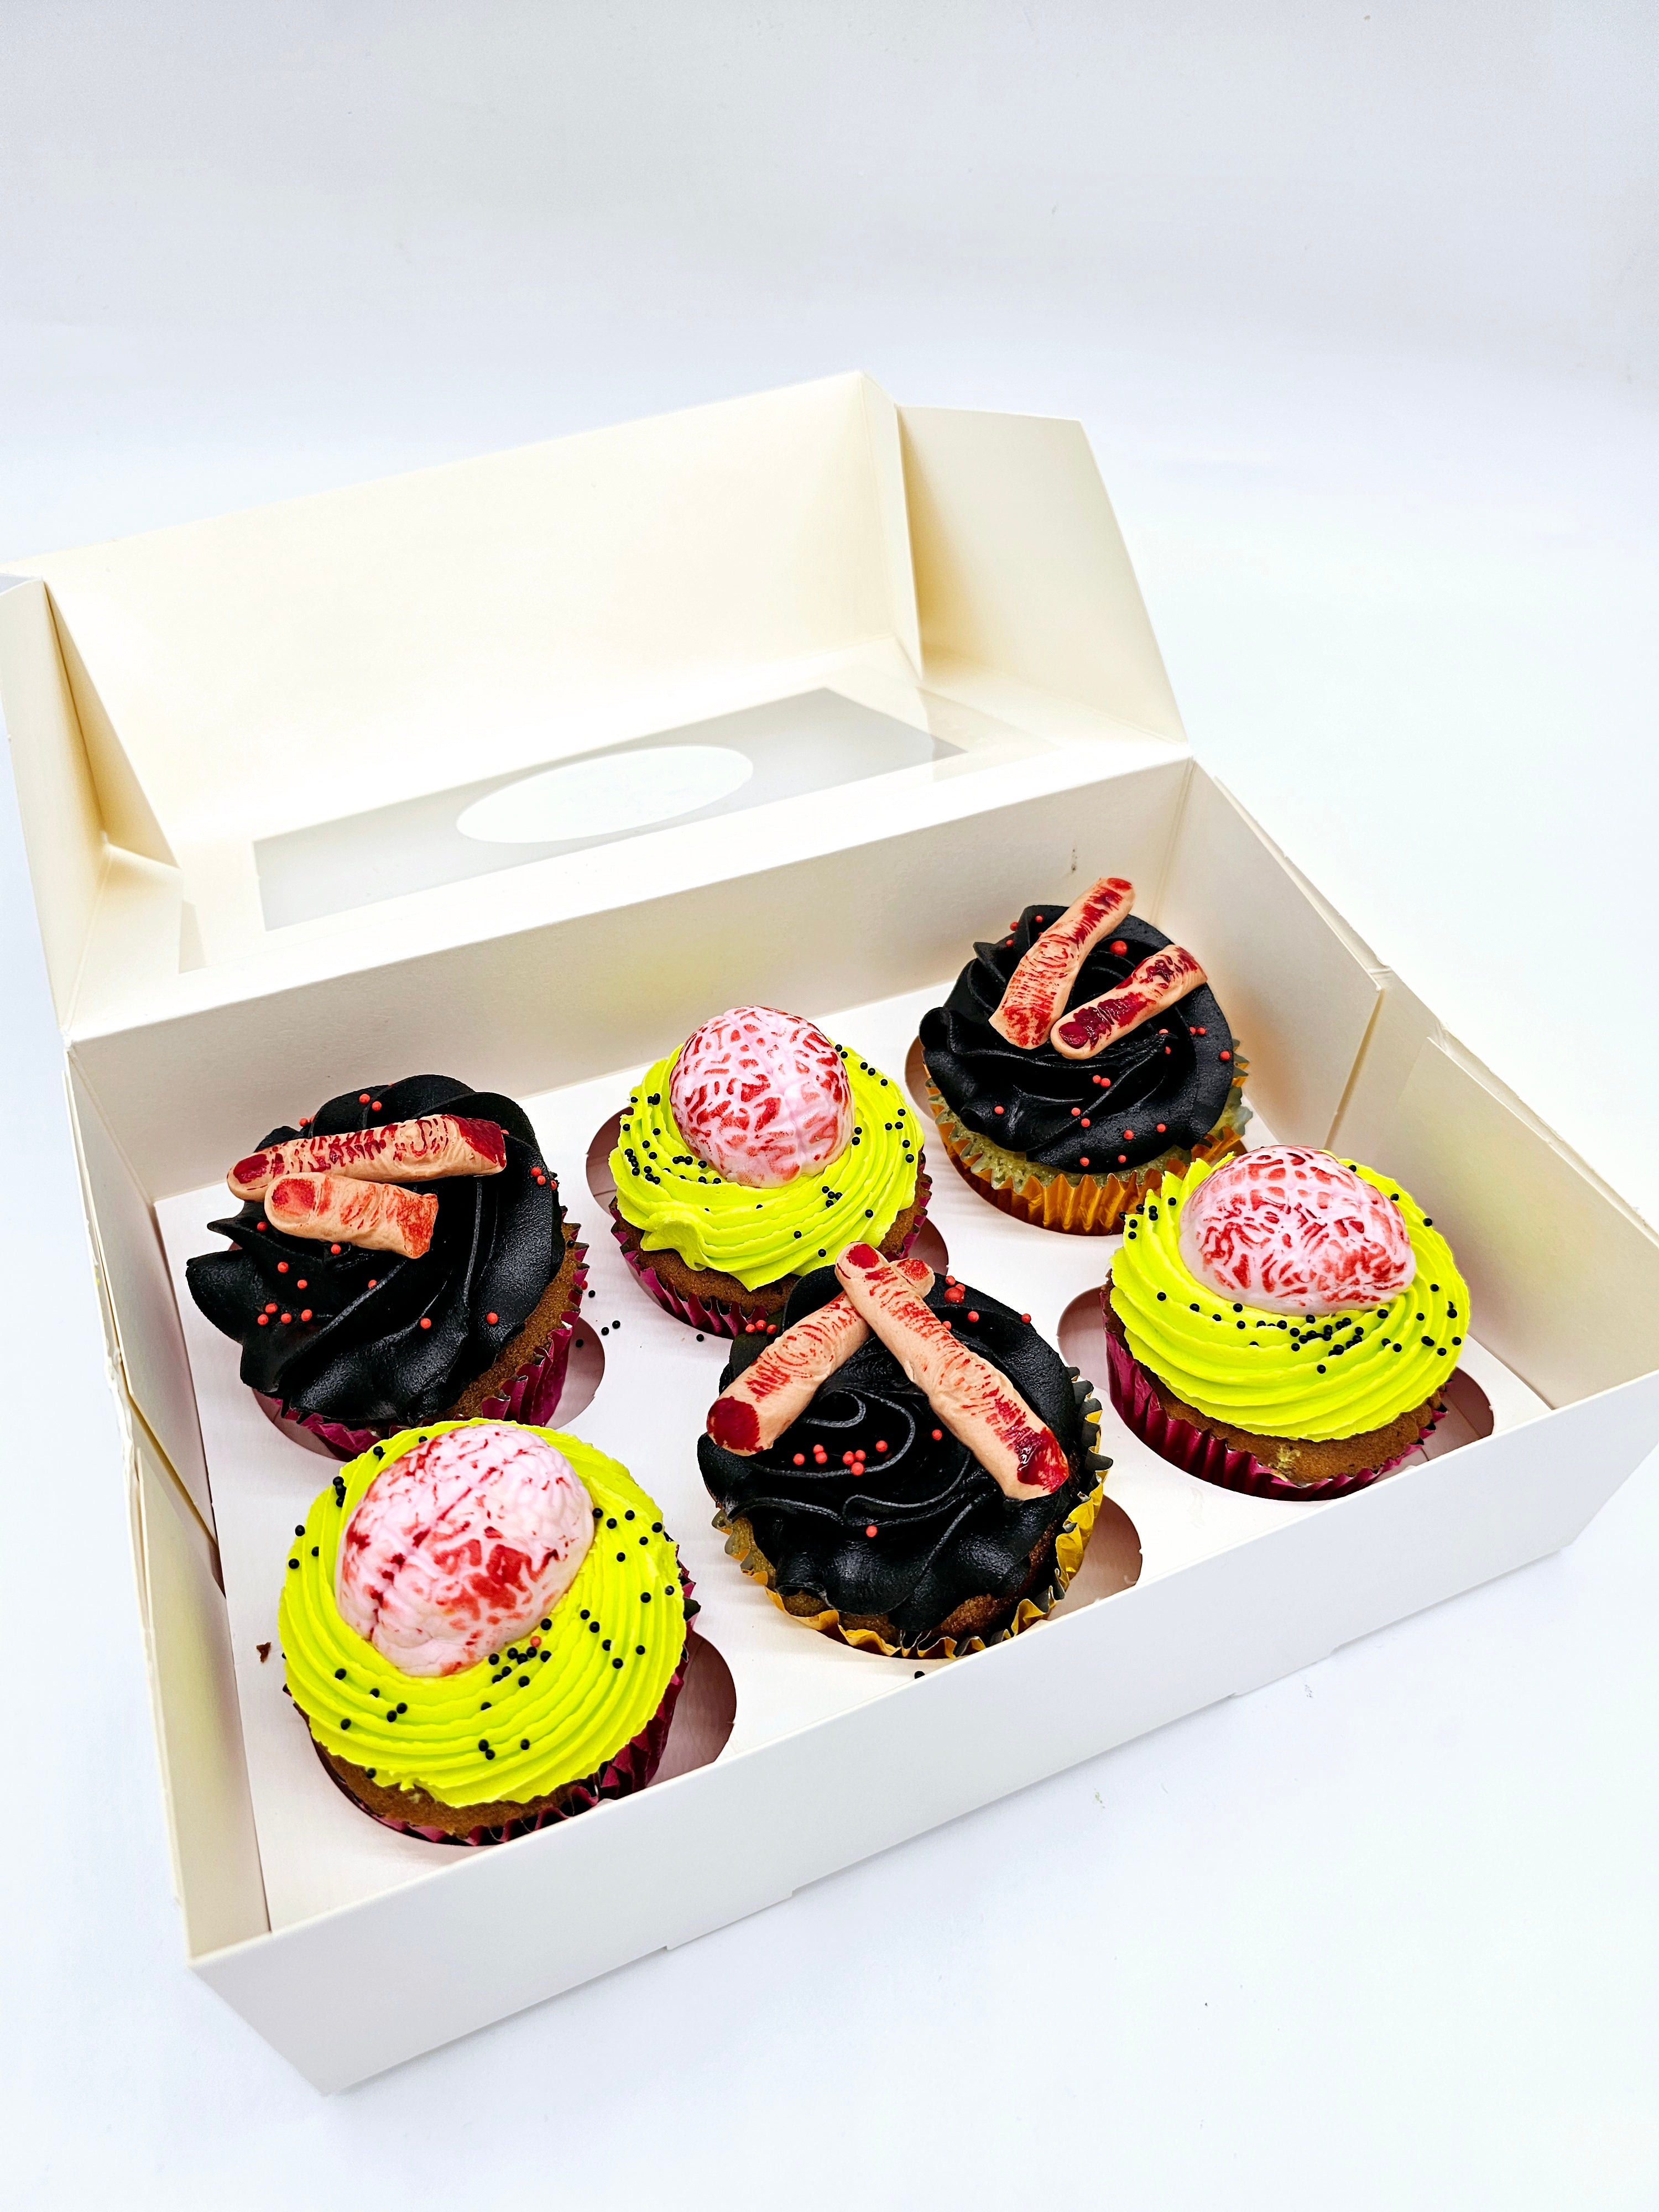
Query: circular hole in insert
[
  {"x": 582, "y": 1376},
  {"x": 607, "y": 794},
  {"x": 600, "y": 1181},
  {"x": 1467, "y": 1417},
  {"x": 1082, "y": 1338},
  {"x": 1111, "y": 1563},
  {"x": 930, "y": 1248},
  {"x": 705, "y": 1712},
  {"x": 294, "y": 1430},
  {"x": 915, "y": 1078}
]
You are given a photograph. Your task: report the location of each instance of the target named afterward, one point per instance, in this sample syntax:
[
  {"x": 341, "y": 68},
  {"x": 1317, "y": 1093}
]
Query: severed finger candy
[
  {"x": 975, "y": 1401},
  {"x": 1160, "y": 979},
  {"x": 424, "y": 1150},
  {"x": 339, "y": 1208},
  {"x": 1039, "y": 987},
  {"x": 756, "y": 1407}
]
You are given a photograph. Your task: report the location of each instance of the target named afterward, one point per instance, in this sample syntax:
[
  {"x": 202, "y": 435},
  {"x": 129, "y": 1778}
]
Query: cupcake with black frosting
[
  {"x": 1079, "y": 1059},
  {"x": 908, "y": 1466},
  {"x": 401, "y": 1256}
]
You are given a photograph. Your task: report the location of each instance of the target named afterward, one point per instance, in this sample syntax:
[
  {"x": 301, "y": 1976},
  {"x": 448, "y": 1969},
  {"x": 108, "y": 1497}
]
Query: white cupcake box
[{"x": 351, "y": 787}]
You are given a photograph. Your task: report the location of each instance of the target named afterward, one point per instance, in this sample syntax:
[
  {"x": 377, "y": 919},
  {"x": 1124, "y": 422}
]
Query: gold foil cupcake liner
[
  {"x": 1070, "y": 1541},
  {"x": 1079, "y": 1202}
]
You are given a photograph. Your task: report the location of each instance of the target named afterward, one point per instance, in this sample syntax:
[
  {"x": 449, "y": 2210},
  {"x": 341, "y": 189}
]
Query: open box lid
[{"x": 292, "y": 743}]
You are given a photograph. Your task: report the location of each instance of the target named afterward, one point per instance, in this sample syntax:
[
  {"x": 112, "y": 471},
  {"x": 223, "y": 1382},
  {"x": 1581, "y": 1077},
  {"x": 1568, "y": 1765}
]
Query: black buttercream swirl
[
  {"x": 945, "y": 1532},
  {"x": 1163, "y": 1073},
  {"x": 363, "y": 1358}
]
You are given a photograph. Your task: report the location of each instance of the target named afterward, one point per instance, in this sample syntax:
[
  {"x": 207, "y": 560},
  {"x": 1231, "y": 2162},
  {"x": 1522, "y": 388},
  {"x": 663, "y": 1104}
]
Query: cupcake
[
  {"x": 401, "y": 1257},
  {"x": 754, "y": 1154},
  {"x": 1283, "y": 1324},
  {"x": 1078, "y": 1060},
  {"x": 906, "y": 1465},
  {"x": 483, "y": 1626}
]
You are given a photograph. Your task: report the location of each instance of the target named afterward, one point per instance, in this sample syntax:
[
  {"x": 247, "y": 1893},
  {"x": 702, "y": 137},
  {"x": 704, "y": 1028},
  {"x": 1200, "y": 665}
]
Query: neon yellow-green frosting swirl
[
  {"x": 679, "y": 1205},
  {"x": 1284, "y": 1374},
  {"x": 567, "y": 1701}
]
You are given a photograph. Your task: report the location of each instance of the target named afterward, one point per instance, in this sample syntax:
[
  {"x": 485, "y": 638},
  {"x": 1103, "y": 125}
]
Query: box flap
[
  {"x": 255, "y": 668},
  {"x": 1020, "y": 565}
]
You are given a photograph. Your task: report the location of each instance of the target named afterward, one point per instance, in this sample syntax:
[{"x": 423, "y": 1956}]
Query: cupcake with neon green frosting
[
  {"x": 757, "y": 1152},
  {"x": 1284, "y": 1323},
  {"x": 483, "y": 1625}
]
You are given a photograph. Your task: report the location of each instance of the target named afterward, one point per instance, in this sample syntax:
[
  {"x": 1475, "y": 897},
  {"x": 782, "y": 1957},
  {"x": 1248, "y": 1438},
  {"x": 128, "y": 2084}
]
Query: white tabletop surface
[{"x": 1356, "y": 311}]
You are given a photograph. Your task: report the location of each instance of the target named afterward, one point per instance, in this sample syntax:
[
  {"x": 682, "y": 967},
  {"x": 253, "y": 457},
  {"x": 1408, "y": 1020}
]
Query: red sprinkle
[
  {"x": 938, "y": 1435},
  {"x": 1226, "y": 1055},
  {"x": 264, "y": 1321},
  {"x": 1085, "y": 1121},
  {"x": 333, "y": 1248},
  {"x": 1026, "y": 1318},
  {"x": 426, "y": 1321},
  {"x": 881, "y": 1443},
  {"x": 1119, "y": 946},
  {"x": 492, "y": 1319},
  {"x": 1084, "y": 1162},
  {"x": 1122, "y": 1158},
  {"x": 973, "y": 1316},
  {"x": 287, "y": 1316},
  {"x": 272, "y": 1308},
  {"x": 302, "y": 1285},
  {"x": 1076, "y": 1110},
  {"x": 374, "y": 1106},
  {"x": 1161, "y": 1128},
  {"x": 996, "y": 1110},
  {"x": 372, "y": 1284},
  {"x": 260, "y": 1226},
  {"x": 363, "y": 1097},
  {"x": 281, "y": 1267},
  {"x": 1129, "y": 1133},
  {"x": 305, "y": 1313},
  {"x": 871, "y": 1530}
]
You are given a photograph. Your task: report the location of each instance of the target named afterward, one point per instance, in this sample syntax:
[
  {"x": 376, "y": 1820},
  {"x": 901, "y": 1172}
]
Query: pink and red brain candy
[
  {"x": 462, "y": 1545},
  {"x": 762, "y": 1096},
  {"x": 1293, "y": 1230}
]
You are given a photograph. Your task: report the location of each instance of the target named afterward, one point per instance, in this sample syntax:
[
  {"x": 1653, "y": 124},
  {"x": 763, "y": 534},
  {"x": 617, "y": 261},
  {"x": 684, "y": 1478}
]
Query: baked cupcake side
[
  {"x": 735, "y": 1248},
  {"x": 353, "y": 1339},
  {"x": 565, "y": 1708},
  {"x": 867, "y": 1516},
  {"x": 1331, "y": 1390},
  {"x": 1071, "y": 1140}
]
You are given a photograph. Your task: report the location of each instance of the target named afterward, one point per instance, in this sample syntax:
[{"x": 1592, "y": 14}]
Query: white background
[{"x": 1361, "y": 308}]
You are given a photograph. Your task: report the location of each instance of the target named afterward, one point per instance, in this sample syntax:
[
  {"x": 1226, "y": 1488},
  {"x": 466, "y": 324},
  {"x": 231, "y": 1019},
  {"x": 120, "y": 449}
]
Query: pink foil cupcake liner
[
  {"x": 1210, "y": 1457},
  {"x": 532, "y": 1393},
  {"x": 713, "y": 1317},
  {"x": 630, "y": 1769}
]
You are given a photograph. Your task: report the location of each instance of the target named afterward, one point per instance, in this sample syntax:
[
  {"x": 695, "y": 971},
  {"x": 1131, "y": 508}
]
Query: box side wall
[
  {"x": 1566, "y": 1277},
  {"x": 137, "y": 1292},
  {"x": 559, "y": 1005},
  {"x": 62, "y": 829},
  {"x": 815, "y": 1801},
  {"x": 1020, "y": 564},
  {"x": 1300, "y": 997},
  {"x": 198, "y": 1728}
]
